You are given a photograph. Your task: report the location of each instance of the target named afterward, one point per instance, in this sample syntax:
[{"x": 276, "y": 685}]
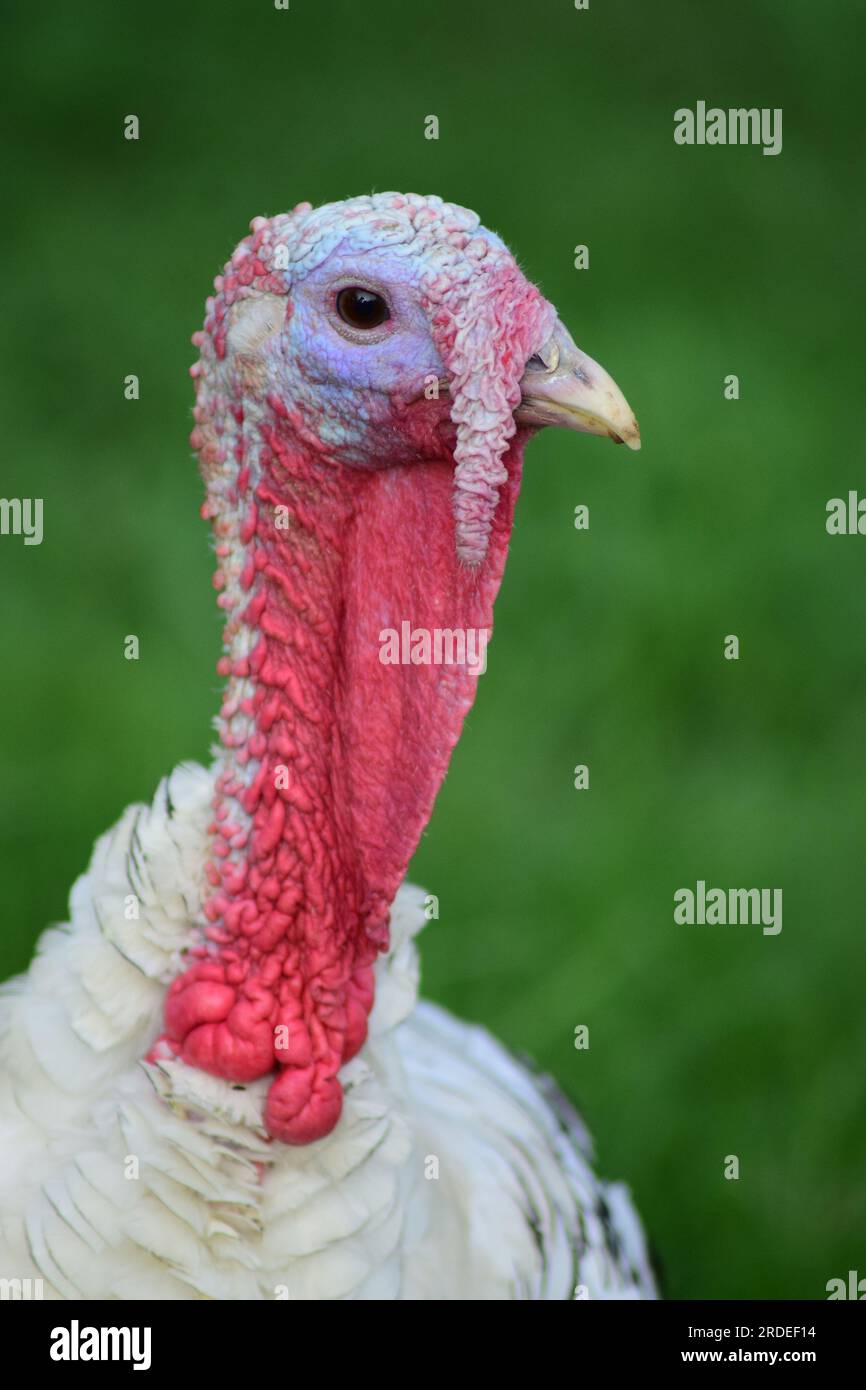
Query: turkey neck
[{"x": 330, "y": 759}]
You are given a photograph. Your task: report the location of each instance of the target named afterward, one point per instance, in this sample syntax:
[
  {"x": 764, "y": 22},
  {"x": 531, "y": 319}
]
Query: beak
[{"x": 562, "y": 386}]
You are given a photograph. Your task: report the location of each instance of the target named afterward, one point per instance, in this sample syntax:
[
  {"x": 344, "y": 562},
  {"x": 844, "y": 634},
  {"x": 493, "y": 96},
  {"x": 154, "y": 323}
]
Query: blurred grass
[{"x": 556, "y": 905}]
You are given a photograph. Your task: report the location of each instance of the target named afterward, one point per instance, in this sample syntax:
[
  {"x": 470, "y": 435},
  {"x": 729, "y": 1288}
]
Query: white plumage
[{"x": 453, "y": 1173}]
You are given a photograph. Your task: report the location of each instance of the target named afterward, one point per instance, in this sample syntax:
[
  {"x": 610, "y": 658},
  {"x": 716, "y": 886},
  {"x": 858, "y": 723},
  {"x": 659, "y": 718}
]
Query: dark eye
[{"x": 362, "y": 308}]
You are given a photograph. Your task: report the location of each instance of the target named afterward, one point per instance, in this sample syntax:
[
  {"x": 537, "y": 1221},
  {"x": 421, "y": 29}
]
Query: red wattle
[{"x": 331, "y": 758}]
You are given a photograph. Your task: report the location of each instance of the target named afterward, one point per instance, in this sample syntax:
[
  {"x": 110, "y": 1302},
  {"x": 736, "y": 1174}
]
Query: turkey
[{"x": 217, "y": 1080}]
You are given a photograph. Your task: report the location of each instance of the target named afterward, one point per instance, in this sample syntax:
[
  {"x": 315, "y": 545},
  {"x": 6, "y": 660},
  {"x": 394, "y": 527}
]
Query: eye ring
[{"x": 361, "y": 308}]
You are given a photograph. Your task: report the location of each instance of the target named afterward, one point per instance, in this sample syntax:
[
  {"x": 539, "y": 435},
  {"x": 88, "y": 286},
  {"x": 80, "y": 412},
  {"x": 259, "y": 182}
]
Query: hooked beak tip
[
  {"x": 564, "y": 386},
  {"x": 631, "y": 440}
]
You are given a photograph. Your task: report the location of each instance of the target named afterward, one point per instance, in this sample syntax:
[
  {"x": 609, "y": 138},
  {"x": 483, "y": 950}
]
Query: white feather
[{"x": 451, "y": 1174}]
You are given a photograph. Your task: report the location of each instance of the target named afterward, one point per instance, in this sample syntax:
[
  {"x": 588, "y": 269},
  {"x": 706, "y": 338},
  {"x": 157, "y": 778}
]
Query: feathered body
[
  {"x": 217, "y": 1081},
  {"x": 452, "y": 1173}
]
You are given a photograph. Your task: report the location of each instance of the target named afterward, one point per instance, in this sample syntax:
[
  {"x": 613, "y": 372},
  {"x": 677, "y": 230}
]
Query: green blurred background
[{"x": 557, "y": 905}]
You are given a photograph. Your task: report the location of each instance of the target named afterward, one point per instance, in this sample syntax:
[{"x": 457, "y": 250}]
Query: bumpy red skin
[
  {"x": 305, "y": 863},
  {"x": 295, "y": 923}
]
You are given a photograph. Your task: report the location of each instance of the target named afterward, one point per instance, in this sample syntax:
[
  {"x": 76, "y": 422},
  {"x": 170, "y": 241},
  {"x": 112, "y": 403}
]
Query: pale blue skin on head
[
  {"x": 351, "y": 379},
  {"x": 349, "y": 383}
]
